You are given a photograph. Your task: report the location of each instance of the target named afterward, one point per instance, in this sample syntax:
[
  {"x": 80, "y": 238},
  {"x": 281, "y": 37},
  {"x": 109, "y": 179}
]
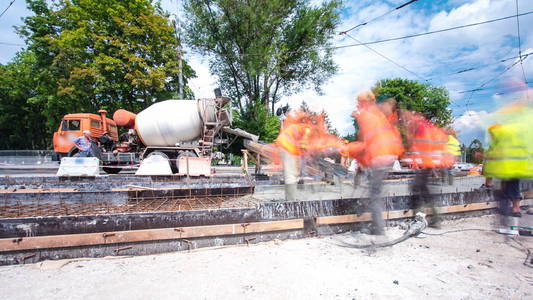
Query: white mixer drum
[{"x": 167, "y": 123}]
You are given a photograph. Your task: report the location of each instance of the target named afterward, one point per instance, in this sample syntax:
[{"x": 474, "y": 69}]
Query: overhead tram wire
[
  {"x": 520, "y": 48},
  {"x": 432, "y": 32},
  {"x": 465, "y": 70},
  {"x": 378, "y": 17},
  {"x": 8, "y": 6},
  {"x": 390, "y": 60},
  {"x": 494, "y": 78},
  {"x": 487, "y": 89},
  {"x": 482, "y": 86}
]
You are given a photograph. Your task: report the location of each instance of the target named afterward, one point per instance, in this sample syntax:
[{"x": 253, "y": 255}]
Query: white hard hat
[{"x": 86, "y": 132}]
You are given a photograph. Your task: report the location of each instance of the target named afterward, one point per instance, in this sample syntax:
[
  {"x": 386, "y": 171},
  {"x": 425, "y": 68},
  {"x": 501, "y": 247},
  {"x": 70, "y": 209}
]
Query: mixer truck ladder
[
  {"x": 208, "y": 138},
  {"x": 212, "y": 127},
  {"x": 209, "y": 131}
]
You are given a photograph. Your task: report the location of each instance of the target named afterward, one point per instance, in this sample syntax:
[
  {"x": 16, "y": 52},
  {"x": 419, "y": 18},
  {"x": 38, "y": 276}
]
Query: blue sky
[{"x": 432, "y": 57}]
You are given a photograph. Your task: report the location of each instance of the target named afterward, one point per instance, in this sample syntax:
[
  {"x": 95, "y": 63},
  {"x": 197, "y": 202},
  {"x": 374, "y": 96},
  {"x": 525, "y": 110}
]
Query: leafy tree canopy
[
  {"x": 92, "y": 54},
  {"x": 261, "y": 50},
  {"x": 413, "y": 95},
  {"x": 474, "y": 147},
  {"x": 21, "y": 122},
  {"x": 257, "y": 120},
  {"x": 329, "y": 127}
]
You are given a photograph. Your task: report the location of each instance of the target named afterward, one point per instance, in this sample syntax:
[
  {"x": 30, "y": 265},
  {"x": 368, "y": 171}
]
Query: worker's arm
[
  {"x": 76, "y": 142},
  {"x": 354, "y": 149}
]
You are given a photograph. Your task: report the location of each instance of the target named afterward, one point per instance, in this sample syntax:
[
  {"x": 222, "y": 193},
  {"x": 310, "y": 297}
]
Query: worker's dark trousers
[
  {"x": 375, "y": 178},
  {"x": 503, "y": 206},
  {"x": 505, "y": 196},
  {"x": 421, "y": 194}
]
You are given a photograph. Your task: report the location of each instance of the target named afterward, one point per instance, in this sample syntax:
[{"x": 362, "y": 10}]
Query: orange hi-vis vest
[
  {"x": 428, "y": 146},
  {"x": 377, "y": 137},
  {"x": 293, "y": 138}
]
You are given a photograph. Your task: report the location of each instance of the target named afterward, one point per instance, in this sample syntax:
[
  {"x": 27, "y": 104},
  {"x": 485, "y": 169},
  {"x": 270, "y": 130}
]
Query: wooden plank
[
  {"x": 344, "y": 219},
  {"x": 398, "y": 214},
  {"x": 86, "y": 239},
  {"x": 41, "y": 190},
  {"x": 75, "y": 240}
]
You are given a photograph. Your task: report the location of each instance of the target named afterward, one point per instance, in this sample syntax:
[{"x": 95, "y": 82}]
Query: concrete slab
[{"x": 460, "y": 265}]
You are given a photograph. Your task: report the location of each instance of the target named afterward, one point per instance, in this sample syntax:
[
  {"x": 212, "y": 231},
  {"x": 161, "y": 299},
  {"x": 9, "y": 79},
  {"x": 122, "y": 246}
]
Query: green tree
[
  {"x": 92, "y": 54},
  {"x": 304, "y": 107},
  {"x": 350, "y": 137},
  {"x": 413, "y": 95},
  {"x": 329, "y": 126},
  {"x": 21, "y": 120},
  {"x": 261, "y": 50},
  {"x": 327, "y": 122},
  {"x": 258, "y": 121},
  {"x": 262, "y": 122},
  {"x": 475, "y": 147}
]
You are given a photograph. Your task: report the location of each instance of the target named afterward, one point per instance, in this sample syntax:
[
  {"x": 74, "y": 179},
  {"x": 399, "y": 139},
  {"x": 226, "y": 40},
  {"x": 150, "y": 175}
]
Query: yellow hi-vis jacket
[
  {"x": 453, "y": 147},
  {"x": 294, "y": 138},
  {"x": 508, "y": 156}
]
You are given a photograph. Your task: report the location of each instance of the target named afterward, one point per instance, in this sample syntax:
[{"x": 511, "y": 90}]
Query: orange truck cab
[{"x": 73, "y": 125}]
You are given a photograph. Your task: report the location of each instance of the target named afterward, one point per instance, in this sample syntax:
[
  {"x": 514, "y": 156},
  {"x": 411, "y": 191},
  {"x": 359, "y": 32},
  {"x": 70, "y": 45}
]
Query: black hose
[
  {"x": 414, "y": 229},
  {"x": 458, "y": 230}
]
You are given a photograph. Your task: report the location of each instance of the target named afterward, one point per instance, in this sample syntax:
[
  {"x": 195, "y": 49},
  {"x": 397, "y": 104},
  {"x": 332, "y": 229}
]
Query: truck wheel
[
  {"x": 165, "y": 156},
  {"x": 111, "y": 170}
]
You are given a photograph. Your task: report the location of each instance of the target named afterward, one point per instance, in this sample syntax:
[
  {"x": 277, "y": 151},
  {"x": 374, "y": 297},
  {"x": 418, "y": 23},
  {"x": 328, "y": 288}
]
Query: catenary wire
[
  {"x": 378, "y": 17},
  {"x": 494, "y": 78},
  {"x": 390, "y": 60},
  {"x": 520, "y": 48},
  {"x": 431, "y": 32},
  {"x": 8, "y": 6}
]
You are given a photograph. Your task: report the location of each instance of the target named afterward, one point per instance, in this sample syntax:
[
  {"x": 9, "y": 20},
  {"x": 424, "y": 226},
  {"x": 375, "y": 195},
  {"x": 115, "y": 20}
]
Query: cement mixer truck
[{"x": 177, "y": 131}]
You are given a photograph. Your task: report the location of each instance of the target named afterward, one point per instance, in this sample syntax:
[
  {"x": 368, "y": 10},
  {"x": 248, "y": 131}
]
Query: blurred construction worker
[
  {"x": 292, "y": 141},
  {"x": 427, "y": 149},
  {"x": 510, "y": 153},
  {"x": 84, "y": 144},
  {"x": 507, "y": 159},
  {"x": 387, "y": 104},
  {"x": 378, "y": 146},
  {"x": 453, "y": 154}
]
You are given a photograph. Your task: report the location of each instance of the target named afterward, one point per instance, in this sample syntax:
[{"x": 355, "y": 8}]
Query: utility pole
[
  {"x": 180, "y": 71},
  {"x": 180, "y": 62}
]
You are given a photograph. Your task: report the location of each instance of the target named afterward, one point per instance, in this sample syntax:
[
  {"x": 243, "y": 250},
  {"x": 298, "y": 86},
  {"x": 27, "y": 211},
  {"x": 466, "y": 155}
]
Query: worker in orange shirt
[
  {"x": 292, "y": 142},
  {"x": 427, "y": 145},
  {"x": 379, "y": 144}
]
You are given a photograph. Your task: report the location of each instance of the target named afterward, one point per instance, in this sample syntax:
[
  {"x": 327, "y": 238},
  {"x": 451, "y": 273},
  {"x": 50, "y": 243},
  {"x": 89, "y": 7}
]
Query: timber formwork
[
  {"x": 29, "y": 240},
  {"x": 31, "y": 234}
]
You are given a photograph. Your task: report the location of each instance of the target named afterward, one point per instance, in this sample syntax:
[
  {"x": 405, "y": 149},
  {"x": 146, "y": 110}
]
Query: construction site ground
[{"x": 458, "y": 265}]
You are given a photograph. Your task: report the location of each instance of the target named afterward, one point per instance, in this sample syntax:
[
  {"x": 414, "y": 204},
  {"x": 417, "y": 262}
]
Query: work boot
[
  {"x": 290, "y": 192},
  {"x": 301, "y": 184}
]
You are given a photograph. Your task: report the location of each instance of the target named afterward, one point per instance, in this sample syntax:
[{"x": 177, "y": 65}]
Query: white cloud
[
  {"x": 431, "y": 55},
  {"x": 471, "y": 125},
  {"x": 204, "y": 83}
]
